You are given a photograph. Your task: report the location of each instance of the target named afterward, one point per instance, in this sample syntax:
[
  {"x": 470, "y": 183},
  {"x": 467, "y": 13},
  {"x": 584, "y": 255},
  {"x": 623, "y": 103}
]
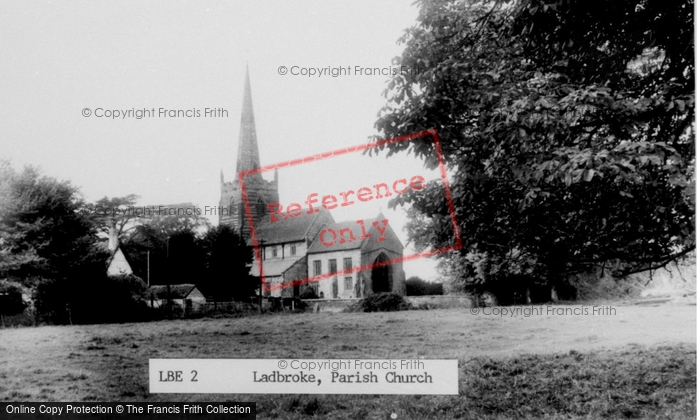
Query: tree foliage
[
  {"x": 416, "y": 286},
  {"x": 48, "y": 245},
  {"x": 568, "y": 126},
  {"x": 43, "y": 235},
  {"x": 227, "y": 264},
  {"x": 116, "y": 213},
  {"x": 171, "y": 250},
  {"x": 11, "y": 302},
  {"x": 381, "y": 302},
  {"x": 166, "y": 249}
]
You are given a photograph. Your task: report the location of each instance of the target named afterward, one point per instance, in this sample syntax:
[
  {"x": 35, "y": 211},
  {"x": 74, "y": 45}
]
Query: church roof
[
  {"x": 292, "y": 229},
  {"x": 274, "y": 267},
  {"x": 317, "y": 246}
]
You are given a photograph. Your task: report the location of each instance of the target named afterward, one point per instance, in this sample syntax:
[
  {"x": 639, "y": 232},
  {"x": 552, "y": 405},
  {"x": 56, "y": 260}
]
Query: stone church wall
[
  {"x": 295, "y": 272},
  {"x": 259, "y": 193},
  {"x": 398, "y": 284}
]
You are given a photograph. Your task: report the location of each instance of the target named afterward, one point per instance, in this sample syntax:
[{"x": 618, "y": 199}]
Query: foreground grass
[
  {"x": 632, "y": 383},
  {"x": 546, "y": 367}
]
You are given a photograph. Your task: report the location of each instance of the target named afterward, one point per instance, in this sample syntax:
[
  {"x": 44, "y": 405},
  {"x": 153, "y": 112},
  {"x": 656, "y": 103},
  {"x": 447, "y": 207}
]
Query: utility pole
[
  {"x": 169, "y": 273},
  {"x": 148, "y": 267},
  {"x": 262, "y": 262}
]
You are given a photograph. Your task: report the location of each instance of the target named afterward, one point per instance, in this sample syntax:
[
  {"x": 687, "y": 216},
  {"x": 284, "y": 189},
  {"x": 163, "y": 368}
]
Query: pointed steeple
[
  {"x": 248, "y": 155},
  {"x": 259, "y": 192}
]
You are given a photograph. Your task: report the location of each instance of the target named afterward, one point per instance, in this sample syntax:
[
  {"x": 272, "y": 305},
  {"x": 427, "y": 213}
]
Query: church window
[
  {"x": 348, "y": 283},
  {"x": 260, "y": 209},
  {"x": 231, "y": 208},
  {"x": 332, "y": 266},
  {"x": 317, "y": 268},
  {"x": 293, "y": 249}
]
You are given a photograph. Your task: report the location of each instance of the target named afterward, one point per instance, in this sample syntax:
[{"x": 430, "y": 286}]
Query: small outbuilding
[{"x": 185, "y": 295}]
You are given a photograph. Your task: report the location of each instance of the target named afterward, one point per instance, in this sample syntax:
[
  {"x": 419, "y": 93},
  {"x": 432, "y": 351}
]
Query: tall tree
[
  {"x": 185, "y": 257},
  {"x": 117, "y": 213},
  {"x": 42, "y": 232},
  {"x": 46, "y": 242},
  {"x": 166, "y": 249},
  {"x": 568, "y": 125},
  {"x": 228, "y": 260}
]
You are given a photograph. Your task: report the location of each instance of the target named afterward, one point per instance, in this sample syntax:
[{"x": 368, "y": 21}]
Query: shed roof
[{"x": 177, "y": 291}]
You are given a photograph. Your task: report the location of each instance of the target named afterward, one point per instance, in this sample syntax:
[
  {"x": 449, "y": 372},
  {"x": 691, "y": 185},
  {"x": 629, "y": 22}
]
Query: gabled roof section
[
  {"x": 274, "y": 267},
  {"x": 391, "y": 242},
  {"x": 293, "y": 229},
  {"x": 118, "y": 263}
]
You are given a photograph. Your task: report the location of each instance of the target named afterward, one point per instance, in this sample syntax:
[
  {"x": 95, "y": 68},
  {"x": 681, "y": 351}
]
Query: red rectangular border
[{"x": 359, "y": 148}]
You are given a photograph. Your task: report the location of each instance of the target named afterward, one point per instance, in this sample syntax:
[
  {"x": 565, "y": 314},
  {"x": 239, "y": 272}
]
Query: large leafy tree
[
  {"x": 115, "y": 213},
  {"x": 47, "y": 241},
  {"x": 228, "y": 260},
  {"x": 172, "y": 251},
  {"x": 567, "y": 125},
  {"x": 43, "y": 232},
  {"x": 167, "y": 249}
]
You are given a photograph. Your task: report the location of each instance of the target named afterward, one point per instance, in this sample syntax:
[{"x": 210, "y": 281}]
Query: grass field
[{"x": 639, "y": 362}]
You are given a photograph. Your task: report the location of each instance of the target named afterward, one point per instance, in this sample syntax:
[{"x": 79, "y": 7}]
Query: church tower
[{"x": 259, "y": 191}]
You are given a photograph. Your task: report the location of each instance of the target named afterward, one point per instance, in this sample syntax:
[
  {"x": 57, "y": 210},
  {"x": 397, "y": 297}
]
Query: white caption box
[{"x": 304, "y": 376}]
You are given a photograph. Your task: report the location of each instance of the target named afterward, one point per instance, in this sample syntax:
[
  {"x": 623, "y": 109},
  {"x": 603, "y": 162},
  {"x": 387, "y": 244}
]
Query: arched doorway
[{"x": 382, "y": 279}]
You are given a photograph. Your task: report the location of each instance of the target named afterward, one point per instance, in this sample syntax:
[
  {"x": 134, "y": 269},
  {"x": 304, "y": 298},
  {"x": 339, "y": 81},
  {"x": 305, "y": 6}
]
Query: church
[{"x": 296, "y": 252}]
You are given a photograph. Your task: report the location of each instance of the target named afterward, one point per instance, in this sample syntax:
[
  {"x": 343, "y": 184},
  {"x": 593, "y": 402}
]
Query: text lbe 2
[{"x": 175, "y": 376}]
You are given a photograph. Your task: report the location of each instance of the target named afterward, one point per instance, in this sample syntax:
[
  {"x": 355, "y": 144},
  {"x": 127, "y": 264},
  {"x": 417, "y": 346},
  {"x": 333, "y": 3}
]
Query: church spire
[
  {"x": 248, "y": 155},
  {"x": 259, "y": 192}
]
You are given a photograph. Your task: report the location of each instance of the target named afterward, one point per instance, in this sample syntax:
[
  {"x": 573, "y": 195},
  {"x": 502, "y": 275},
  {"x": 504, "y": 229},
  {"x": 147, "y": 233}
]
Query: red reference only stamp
[{"x": 300, "y": 244}]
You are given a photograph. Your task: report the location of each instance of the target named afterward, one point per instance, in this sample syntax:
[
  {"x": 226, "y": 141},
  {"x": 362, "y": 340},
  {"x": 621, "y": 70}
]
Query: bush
[
  {"x": 91, "y": 300},
  {"x": 11, "y": 302},
  {"x": 51, "y": 302},
  {"x": 415, "y": 286},
  {"x": 218, "y": 310},
  {"x": 166, "y": 311},
  {"x": 593, "y": 286},
  {"x": 111, "y": 299},
  {"x": 381, "y": 302}
]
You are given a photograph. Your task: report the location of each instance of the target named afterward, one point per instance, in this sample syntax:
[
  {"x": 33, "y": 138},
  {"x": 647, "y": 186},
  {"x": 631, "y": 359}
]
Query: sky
[{"x": 69, "y": 65}]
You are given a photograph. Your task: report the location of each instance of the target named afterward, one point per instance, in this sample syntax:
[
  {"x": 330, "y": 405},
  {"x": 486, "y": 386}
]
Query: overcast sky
[{"x": 60, "y": 58}]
